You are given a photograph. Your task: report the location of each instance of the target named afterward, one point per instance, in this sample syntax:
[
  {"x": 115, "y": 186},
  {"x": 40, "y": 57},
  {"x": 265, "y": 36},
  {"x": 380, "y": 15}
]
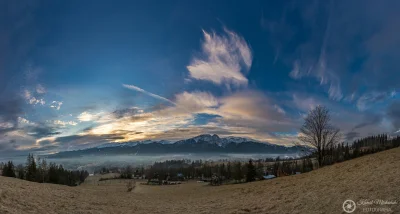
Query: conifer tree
[
  {"x": 222, "y": 171},
  {"x": 20, "y": 171},
  {"x": 30, "y": 168},
  {"x": 228, "y": 170},
  {"x": 8, "y": 170},
  {"x": 347, "y": 152},
  {"x": 251, "y": 172},
  {"x": 238, "y": 171}
]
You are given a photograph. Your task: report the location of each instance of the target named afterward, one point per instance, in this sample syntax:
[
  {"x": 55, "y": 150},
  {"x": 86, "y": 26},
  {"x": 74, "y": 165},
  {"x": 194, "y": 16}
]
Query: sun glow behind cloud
[{"x": 246, "y": 113}]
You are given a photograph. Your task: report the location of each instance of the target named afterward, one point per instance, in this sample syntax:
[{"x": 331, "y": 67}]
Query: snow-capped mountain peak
[
  {"x": 215, "y": 139},
  {"x": 108, "y": 145},
  {"x": 204, "y": 138},
  {"x": 233, "y": 139},
  {"x": 199, "y": 144},
  {"x": 132, "y": 144},
  {"x": 164, "y": 142}
]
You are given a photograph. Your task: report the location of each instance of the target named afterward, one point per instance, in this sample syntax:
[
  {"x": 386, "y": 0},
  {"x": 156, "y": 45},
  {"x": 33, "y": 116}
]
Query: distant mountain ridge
[
  {"x": 205, "y": 137},
  {"x": 205, "y": 143}
]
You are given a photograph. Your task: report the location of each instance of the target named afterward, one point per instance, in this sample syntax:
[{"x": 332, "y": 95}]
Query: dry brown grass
[{"x": 322, "y": 191}]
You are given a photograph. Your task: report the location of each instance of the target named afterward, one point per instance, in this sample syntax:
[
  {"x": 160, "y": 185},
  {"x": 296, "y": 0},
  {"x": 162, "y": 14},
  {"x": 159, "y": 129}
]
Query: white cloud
[
  {"x": 56, "y": 104},
  {"x": 247, "y": 113},
  {"x": 196, "y": 100},
  {"x": 35, "y": 101},
  {"x": 27, "y": 94},
  {"x": 22, "y": 121},
  {"x": 248, "y": 106},
  {"x": 65, "y": 123},
  {"x": 86, "y": 116},
  {"x": 226, "y": 58},
  {"x": 147, "y": 93},
  {"x": 98, "y": 117},
  {"x": 40, "y": 89},
  {"x": 31, "y": 99}
]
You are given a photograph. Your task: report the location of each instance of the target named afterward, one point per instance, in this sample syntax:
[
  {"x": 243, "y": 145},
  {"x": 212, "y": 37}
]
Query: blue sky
[{"x": 76, "y": 74}]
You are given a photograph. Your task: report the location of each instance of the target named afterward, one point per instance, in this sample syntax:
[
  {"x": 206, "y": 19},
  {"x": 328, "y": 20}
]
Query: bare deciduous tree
[{"x": 318, "y": 132}]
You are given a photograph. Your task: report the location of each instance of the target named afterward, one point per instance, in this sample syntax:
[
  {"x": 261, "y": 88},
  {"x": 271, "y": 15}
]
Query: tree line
[
  {"x": 317, "y": 132},
  {"x": 228, "y": 171},
  {"x": 326, "y": 140},
  {"x": 238, "y": 172},
  {"x": 42, "y": 172}
]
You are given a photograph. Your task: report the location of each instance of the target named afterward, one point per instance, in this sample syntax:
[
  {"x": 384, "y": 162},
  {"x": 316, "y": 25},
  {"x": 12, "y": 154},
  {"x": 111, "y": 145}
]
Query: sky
[{"x": 76, "y": 74}]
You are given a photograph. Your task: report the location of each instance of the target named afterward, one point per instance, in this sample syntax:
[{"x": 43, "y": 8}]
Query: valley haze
[{"x": 202, "y": 147}]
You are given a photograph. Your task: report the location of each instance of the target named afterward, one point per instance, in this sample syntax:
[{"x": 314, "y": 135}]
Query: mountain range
[{"x": 200, "y": 144}]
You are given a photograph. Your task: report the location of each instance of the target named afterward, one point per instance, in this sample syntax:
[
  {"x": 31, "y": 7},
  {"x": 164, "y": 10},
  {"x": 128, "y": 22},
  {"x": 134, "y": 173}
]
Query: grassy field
[{"x": 370, "y": 177}]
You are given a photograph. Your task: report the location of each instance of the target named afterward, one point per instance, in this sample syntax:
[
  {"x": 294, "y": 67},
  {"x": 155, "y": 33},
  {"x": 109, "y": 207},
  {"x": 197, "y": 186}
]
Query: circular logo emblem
[{"x": 349, "y": 206}]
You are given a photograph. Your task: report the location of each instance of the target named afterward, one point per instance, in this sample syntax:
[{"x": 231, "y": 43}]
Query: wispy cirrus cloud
[
  {"x": 225, "y": 59},
  {"x": 367, "y": 100},
  {"x": 314, "y": 59},
  {"x": 319, "y": 69},
  {"x": 343, "y": 64},
  {"x": 135, "y": 88}
]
